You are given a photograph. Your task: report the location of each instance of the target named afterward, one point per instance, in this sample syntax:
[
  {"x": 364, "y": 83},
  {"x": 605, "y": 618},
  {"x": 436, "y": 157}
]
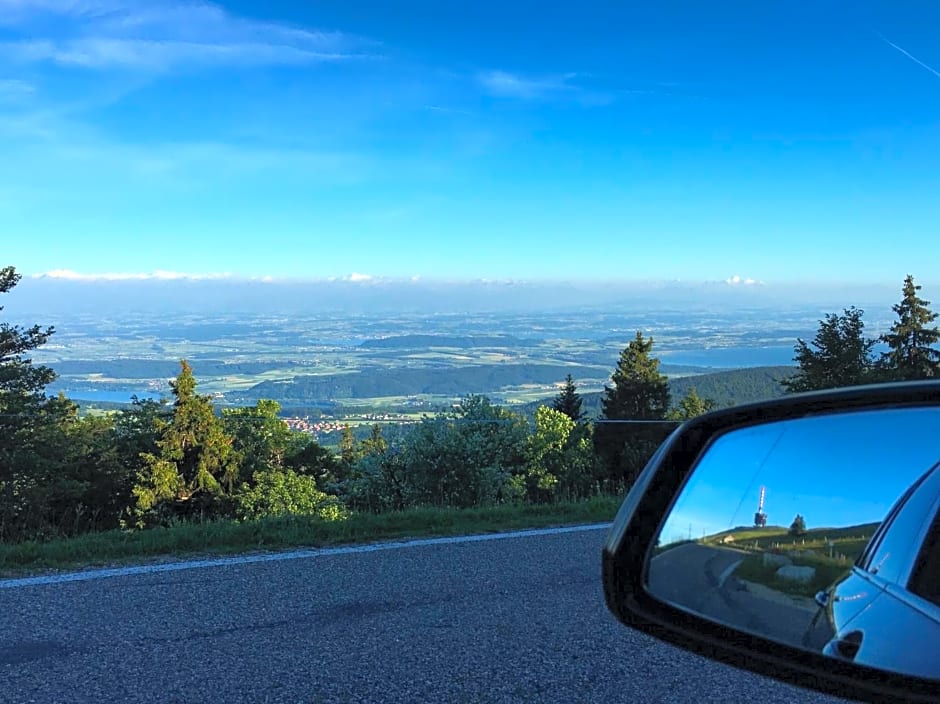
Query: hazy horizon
[{"x": 361, "y": 294}]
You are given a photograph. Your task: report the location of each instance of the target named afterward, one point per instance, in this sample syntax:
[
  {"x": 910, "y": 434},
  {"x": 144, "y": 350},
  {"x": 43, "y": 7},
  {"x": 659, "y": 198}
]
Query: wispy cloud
[
  {"x": 909, "y": 55},
  {"x": 69, "y": 275},
  {"x": 445, "y": 110},
  {"x": 510, "y": 85},
  {"x": 170, "y": 276},
  {"x": 13, "y": 88},
  {"x": 161, "y": 35}
]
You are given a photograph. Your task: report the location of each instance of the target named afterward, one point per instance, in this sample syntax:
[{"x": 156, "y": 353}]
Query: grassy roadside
[
  {"x": 753, "y": 569},
  {"x": 229, "y": 537}
]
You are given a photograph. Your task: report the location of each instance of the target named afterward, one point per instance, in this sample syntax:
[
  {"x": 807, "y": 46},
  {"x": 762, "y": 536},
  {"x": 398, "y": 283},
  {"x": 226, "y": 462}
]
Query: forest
[{"x": 161, "y": 463}]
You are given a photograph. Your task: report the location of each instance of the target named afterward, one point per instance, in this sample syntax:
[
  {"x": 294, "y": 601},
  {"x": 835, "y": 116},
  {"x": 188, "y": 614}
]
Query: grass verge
[
  {"x": 223, "y": 537},
  {"x": 753, "y": 569}
]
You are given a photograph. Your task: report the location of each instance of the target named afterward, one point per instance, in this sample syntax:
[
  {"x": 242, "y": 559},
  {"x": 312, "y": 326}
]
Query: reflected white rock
[{"x": 796, "y": 573}]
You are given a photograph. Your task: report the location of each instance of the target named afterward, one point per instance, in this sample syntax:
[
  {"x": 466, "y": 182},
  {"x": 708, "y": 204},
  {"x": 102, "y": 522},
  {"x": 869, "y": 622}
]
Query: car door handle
[{"x": 848, "y": 646}]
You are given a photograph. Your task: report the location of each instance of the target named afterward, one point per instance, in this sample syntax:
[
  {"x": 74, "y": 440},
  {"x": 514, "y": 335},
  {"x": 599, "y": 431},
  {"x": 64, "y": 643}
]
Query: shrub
[{"x": 282, "y": 493}]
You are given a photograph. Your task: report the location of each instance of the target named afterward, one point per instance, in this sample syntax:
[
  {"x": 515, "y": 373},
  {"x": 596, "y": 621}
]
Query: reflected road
[{"x": 700, "y": 578}]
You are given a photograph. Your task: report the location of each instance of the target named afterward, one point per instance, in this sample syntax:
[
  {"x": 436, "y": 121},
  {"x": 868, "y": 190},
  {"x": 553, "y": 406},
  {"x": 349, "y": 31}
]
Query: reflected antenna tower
[{"x": 760, "y": 518}]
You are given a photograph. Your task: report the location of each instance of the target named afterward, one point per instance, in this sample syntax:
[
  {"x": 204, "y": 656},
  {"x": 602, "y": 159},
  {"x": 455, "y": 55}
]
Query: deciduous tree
[
  {"x": 277, "y": 492},
  {"x": 375, "y": 444},
  {"x": 261, "y": 439}
]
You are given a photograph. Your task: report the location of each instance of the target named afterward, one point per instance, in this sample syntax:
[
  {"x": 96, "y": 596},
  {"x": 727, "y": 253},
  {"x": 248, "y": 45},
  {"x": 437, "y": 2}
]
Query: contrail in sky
[{"x": 913, "y": 58}]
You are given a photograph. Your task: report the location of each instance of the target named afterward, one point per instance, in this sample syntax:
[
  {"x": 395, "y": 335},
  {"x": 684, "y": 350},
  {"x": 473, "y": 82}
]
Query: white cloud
[
  {"x": 740, "y": 281},
  {"x": 161, "y": 35},
  {"x": 158, "y": 275},
  {"x": 356, "y": 277},
  {"x": 509, "y": 85}
]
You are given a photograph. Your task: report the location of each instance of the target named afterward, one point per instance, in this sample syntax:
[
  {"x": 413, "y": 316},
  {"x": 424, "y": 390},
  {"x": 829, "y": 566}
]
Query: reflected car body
[{"x": 885, "y": 612}]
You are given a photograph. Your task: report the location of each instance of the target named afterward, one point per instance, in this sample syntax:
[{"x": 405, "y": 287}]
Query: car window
[
  {"x": 925, "y": 580},
  {"x": 865, "y": 559},
  {"x": 893, "y": 557}
]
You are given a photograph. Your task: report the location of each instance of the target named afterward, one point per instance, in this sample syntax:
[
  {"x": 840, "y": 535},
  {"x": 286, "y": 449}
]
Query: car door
[{"x": 891, "y": 599}]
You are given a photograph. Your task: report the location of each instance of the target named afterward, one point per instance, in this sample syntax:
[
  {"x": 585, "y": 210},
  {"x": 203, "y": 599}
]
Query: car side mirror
[{"x": 798, "y": 538}]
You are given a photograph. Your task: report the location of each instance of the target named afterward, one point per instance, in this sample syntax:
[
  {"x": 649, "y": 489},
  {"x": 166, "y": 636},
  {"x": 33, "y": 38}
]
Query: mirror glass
[{"x": 819, "y": 532}]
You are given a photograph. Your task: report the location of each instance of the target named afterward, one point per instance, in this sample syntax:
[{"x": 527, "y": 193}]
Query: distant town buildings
[{"x": 327, "y": 424}]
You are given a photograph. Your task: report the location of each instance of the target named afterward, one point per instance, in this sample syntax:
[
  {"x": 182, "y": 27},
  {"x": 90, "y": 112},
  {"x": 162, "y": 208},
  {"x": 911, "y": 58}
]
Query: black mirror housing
[{"x": 625, "y": 555}]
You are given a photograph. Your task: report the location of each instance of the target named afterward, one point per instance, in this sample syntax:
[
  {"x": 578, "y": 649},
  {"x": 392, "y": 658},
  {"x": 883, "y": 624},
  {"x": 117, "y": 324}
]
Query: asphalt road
[
  {"x": 701, "y": 578},
  {"x": 512, "y": 620}
]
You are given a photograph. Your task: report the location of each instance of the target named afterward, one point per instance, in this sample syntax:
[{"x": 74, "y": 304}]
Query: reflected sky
[{"x": 837, "y": 470}]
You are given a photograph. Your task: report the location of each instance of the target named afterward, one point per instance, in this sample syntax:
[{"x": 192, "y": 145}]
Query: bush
[
  {"x": 282, "y": 493},
  {"x": 379, "y": 485}
]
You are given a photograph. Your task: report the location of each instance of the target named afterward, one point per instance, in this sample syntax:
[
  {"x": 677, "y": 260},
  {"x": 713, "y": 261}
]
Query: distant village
[{"x": 325, "y": 425}]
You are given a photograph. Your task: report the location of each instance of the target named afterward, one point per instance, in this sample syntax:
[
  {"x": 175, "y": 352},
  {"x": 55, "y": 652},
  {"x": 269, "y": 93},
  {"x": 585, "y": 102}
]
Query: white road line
[
  {"x": 727, "y": 573},
  {"x": 88, "y": 575}
]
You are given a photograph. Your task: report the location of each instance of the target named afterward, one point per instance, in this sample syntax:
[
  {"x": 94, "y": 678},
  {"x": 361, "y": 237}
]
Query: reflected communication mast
[{"x": 760, "y": 518}]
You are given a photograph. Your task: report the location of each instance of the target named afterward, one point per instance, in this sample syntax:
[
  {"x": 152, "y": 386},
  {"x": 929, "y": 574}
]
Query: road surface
[{"x": 518, "y": 619}]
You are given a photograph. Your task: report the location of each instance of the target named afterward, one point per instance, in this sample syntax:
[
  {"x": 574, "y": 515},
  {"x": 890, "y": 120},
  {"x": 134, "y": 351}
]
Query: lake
[
  {"x": 105, "y": 396},
  {"x": 731, "y": 357}
]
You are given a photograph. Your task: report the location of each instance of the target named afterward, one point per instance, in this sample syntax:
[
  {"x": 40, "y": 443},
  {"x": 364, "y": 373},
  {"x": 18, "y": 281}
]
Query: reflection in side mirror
[{"x": 816, "y": 532}]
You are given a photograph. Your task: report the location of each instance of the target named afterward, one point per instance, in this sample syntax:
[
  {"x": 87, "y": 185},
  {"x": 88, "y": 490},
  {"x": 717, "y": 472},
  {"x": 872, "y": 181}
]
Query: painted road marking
[
  {"x": 727, "y": 573},
  {"x": 88, "y": 575}
]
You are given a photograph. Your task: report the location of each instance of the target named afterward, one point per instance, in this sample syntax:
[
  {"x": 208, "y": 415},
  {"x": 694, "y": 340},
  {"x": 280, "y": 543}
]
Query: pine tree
[
  {"x": 18, "y": 375},
  {"x": 349, "y": 451},
  {"x": 691, "y": 406},
  {"x": 911, "y": 354},
  {"x": 568, "y": 401},
  {"x": 639, "y": 391},
  {"x": 32, "y": 441},
  {"x": 196, "y": 464},
  {"x": 798, "y": 527},
  {"x": 840, "y": 355}
]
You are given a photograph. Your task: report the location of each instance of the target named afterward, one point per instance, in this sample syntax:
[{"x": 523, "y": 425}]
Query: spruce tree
[
  {"x": 798, "y": 527},
  {"x": 911, "y": 353},
  {"x": 840, "y": 355},
  {"x": 31, "y": 441},
  {"x": 568, "y": 401},
  {"x": 639, "y": 391},
  {"x": 349, "y": 451},
  {"x": 196, "y": 465},
  {"x": 691, "y": 406}
]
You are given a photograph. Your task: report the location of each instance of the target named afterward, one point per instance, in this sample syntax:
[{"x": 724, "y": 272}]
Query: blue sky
[
  {"x": 835, "y": 471},
  {"x": 774, "y": 141}
]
